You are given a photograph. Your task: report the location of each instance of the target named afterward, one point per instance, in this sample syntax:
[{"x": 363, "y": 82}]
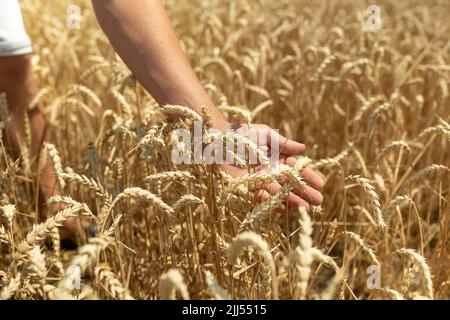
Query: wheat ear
[
  {"x": 357, "y": 238},
  {"x": 171, "y": 282},
  {"x": 302, "y": 256},
  {"x": 420, "y": 261},
  {"x": 253, "y": 240},
  {"x": 112, "y": 283},
  {"x": 373, "y": 196},
  {"x": 56, "y": 159},
  {"x": 215, "y": 290}
]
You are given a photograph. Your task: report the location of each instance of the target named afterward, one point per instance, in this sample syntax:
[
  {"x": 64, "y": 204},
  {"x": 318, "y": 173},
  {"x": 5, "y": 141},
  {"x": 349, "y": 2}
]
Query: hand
[{"x": 267, "y": 139}]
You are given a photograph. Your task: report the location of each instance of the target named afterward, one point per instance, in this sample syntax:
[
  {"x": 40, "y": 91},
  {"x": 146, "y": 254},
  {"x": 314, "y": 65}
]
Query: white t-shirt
[{"x": 14, "y": 39}]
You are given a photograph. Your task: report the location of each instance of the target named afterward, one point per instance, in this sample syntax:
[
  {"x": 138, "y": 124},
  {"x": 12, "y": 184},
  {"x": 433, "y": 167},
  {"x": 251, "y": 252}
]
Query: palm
[{"x": 270, "y": 141}]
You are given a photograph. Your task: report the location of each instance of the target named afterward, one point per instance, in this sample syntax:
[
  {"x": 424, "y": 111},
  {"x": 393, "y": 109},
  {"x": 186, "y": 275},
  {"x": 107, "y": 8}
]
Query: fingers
[
  {"x": 262, "y": 195},
  {"x": 286, "y": 149},
  {"x": 311, "y": 195},
  {"x": 283, "y": 144},
  {"x": 310, "y": 177},
  {"x": 296, "y": 198},
  {"x": 292, "y": 200}
]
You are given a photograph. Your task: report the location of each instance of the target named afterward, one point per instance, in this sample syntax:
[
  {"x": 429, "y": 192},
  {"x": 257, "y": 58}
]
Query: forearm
[{"x": 141, "y": 33}]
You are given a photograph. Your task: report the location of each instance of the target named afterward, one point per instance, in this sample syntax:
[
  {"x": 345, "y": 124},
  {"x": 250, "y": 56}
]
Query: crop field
[{"x": 372, "y": 107}]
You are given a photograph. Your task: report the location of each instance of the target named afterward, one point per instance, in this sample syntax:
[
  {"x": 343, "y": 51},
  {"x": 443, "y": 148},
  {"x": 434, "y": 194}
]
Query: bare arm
[{"x": 141, "y": 33}]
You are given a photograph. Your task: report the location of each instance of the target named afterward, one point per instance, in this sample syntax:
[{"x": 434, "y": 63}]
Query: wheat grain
[
  {"x": 171, "y": 176},
  {"x": 439, "y": 130},
  {"x": 181, "y": 111},
  {"x": 140, "y": 193},
  {"x": 9, "y": 211},
  {"x": 393, "y": 294},
  {"x": 336, "y": 283},
  {"x": 95, "y": 186},
  {"x": 10, "y": 289},
  {"x": 88, "y": 254},
  {"x": 320, "y": 256},
  {"x": 77, "y": 88}
]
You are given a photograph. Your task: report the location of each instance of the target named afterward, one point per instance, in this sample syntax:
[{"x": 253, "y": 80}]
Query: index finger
[{"x": 284, "y": 145}]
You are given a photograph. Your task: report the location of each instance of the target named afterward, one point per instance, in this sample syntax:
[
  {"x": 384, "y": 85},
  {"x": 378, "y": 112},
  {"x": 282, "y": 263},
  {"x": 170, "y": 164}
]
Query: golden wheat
[{"x": 371, "y": 107}]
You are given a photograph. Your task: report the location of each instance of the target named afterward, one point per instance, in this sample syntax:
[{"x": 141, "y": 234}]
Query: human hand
[{"x": 271, "y": 141}]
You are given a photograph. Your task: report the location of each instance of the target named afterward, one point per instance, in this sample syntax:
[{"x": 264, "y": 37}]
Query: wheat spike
[
  {"x": 363, "y": 246},
  {"x": 54, "y": 155},
  {"x": 188, "y": 200},
  {"x": 427, "y": 171},
  {"x": 420, "y": 260},
  {"x": 10, "y": 289},
  {"x": 303, "y": 256},
  {"x": 215, "y": 290},
  {"x": 113, "y": 285},
  {"x": 393, "y": 294},
  {"x": 171, "y": 282},
  {"x": 253, "y": 240},
  {"x": 373, "y": 196}
]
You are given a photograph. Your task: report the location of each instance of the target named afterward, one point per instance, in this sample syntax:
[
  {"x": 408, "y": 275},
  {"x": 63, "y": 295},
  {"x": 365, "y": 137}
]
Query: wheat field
[{"x": 372, "y": 107}]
